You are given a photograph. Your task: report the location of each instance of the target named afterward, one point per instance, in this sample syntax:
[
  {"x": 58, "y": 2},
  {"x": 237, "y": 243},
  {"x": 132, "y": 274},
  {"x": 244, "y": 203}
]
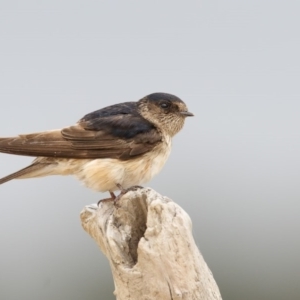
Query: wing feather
[{"x": 114, "y": 132}]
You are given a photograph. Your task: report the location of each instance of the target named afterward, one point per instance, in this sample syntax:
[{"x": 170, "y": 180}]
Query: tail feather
[{"x": 34, "y": 170}]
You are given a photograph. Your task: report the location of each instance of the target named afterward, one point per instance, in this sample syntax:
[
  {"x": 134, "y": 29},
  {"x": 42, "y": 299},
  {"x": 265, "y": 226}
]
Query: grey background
[{"x": 234, "y": 168}]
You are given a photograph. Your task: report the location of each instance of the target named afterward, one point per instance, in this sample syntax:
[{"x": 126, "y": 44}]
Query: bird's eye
[{"x": 164, "y": 105}]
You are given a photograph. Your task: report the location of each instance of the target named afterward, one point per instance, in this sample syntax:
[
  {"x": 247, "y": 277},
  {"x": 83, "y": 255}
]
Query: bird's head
[{"x": 167, "y": 112}]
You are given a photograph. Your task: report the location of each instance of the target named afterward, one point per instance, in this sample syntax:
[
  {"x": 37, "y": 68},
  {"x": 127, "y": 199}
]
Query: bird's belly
[{"x": 103, "y": 174}]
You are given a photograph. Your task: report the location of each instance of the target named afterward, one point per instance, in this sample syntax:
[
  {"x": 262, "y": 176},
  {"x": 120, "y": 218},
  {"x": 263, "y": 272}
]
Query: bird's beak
[{"x": 187, "y": 114}]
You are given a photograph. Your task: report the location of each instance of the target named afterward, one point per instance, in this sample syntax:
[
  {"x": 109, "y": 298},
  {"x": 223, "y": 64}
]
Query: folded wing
[{"x": 117, "y": 131}]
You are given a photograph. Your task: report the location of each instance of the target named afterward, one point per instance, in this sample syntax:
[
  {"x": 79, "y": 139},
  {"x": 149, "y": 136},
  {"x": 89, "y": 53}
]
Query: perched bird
[{"x": 110, "y": 149}]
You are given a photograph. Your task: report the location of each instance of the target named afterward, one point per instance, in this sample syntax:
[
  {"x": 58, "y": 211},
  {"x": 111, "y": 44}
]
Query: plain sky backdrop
[{"x": 235, "y": 167}]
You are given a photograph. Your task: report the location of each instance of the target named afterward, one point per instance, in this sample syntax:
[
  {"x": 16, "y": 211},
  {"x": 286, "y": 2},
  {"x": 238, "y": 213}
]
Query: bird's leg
[
  {"x": 112, "y": 195},
  {"x": 132, "y": 188},
  {"x": 124, "y": 191}
]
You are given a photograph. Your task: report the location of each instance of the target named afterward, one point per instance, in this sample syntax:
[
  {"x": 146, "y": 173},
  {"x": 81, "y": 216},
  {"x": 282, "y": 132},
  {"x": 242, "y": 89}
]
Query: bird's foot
[
  {"x": 124, "y": 191},
  {"x": 112, "y": 198},
  {"x": 132, "y": 188}
]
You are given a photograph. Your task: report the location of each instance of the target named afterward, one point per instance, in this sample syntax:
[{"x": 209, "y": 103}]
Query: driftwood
[{"x": 148, "y": 241}]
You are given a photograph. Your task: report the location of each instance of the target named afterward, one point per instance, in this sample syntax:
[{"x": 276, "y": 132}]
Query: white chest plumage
[{"x": 103, "y": 174}]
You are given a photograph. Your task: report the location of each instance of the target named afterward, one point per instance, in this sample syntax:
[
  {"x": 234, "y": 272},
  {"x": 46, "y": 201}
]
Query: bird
[{"x": 110, "y": 149}]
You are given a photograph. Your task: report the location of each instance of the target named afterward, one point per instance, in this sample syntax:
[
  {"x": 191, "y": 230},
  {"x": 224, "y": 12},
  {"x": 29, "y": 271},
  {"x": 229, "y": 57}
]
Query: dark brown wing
[{"x": 117, "y": 131}]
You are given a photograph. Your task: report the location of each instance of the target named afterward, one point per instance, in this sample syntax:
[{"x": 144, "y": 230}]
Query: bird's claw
[
  {"x": 122, "y": 192},
  {"x": 112, "y": 198}
]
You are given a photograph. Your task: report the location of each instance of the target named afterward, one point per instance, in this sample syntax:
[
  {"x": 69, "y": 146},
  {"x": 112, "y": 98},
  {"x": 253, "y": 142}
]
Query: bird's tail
[{"x": 34, "y": 170}]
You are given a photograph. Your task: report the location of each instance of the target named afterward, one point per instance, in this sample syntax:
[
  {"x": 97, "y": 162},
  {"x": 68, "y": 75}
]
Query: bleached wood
[{"x": 148, "y": 241}]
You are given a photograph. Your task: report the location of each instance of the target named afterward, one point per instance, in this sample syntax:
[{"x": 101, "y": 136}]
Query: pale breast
[{"x": 103, "y": 174}]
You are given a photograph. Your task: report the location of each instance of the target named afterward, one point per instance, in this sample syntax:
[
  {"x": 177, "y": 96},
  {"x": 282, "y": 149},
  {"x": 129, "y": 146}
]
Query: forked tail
[{"x": 34, "y": 170}]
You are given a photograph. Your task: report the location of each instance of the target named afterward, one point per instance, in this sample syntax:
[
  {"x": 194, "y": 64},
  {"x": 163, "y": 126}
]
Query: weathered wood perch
[{"x": 148, "y": 241}]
